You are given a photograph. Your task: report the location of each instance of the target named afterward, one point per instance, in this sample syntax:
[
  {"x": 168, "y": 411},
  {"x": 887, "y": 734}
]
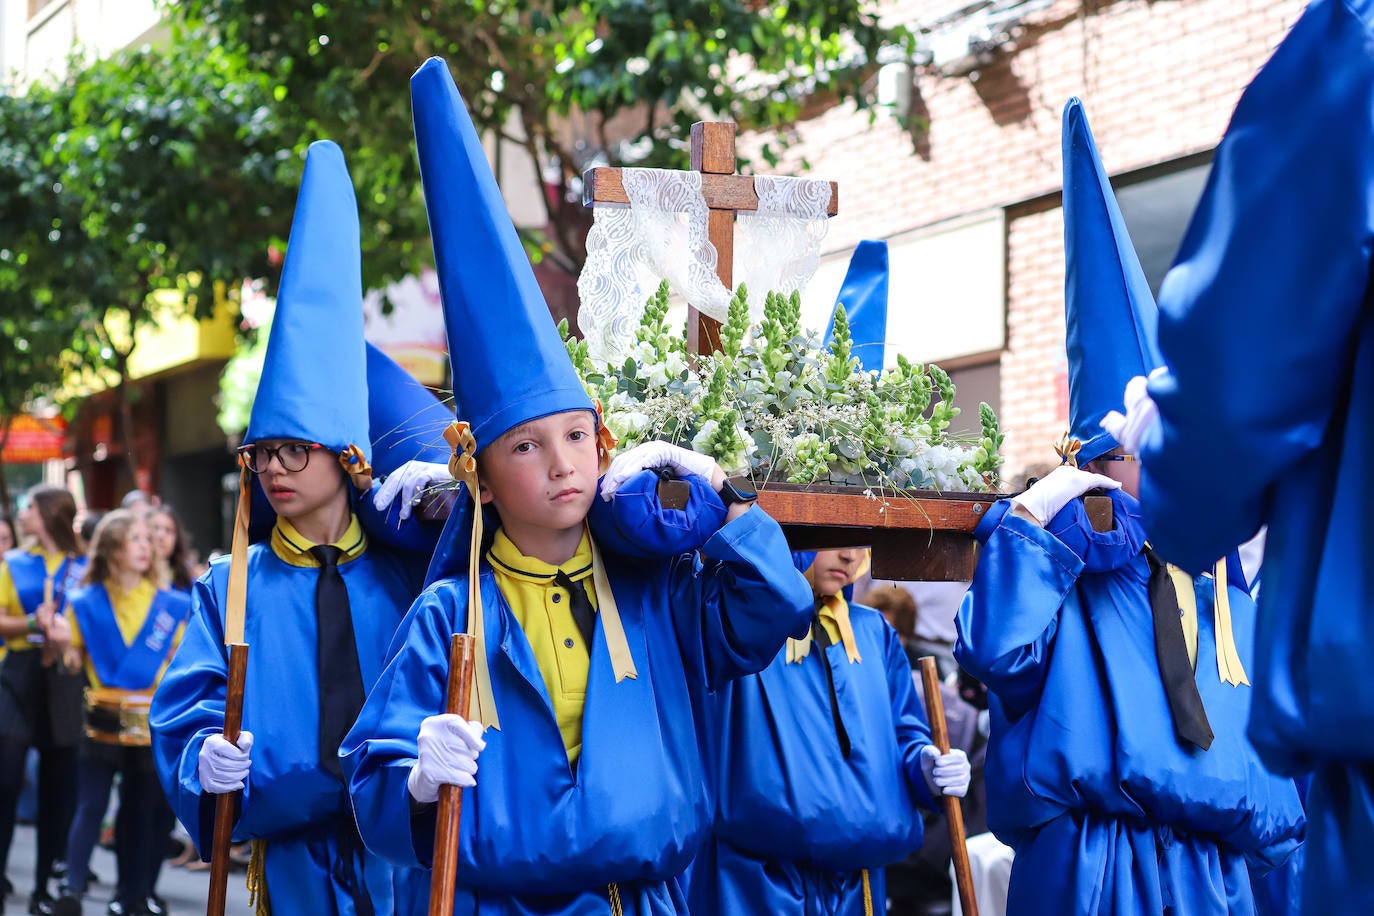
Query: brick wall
[{"x": 1159, "y": 80}]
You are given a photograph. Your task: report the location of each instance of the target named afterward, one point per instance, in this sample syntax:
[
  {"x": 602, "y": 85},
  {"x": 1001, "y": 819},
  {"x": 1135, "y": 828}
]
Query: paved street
[{"x": 184, "y": 890}]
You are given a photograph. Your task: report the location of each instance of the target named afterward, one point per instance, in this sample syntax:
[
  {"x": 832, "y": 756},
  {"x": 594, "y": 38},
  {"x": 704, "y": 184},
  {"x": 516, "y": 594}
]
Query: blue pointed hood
[
  {"x": 314, "y": 378},
  {"x": 864, "y": 296},
  {"x": 1110, "y": 315},
  {"x": 406, "y": 419},
  {"x": 407, "y": 423},
  {"x": 511, "y": 365}
]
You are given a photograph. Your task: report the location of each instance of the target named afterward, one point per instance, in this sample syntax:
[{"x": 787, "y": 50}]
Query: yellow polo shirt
[{"x": 545, "y": 614}]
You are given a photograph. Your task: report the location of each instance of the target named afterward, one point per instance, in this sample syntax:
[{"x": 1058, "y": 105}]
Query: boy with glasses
[{"x": 322, "y": 601}]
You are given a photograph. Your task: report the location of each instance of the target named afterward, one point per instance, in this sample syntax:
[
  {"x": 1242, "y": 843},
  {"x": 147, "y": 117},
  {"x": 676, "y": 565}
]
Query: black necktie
[
  {"x": 1180, "y": 685},
  {"x": 336, "y": 658},
  {"x": 584, "y": 615},
  {"x": 822, "y": 638}
]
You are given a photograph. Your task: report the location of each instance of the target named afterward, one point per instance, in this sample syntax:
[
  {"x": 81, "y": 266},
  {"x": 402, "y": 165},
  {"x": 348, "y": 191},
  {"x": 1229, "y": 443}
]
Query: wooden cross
[
  {"x": 726, "y": 193},
  {"x": 924, "y": 538}
]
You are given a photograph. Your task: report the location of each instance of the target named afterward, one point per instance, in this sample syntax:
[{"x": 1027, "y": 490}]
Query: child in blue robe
[
  {"x": 591, "y": 795},
  {"x": 1118, "y": 765},
  {"x": 1267, "y": 331},
  {"x": 817, "y": 764},
  {"x": 323, "y": 598}
]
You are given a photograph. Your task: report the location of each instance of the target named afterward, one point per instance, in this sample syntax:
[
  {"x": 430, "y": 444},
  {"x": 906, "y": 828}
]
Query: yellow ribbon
[
  {"x": 622, "y": 663},
  {"x": 1068, "y": 448},
  {"x": 1187, "y": 605},
  {"x": 1229, "y": 667},
  {"x": 838, "y": 608},
  {"x": 462, "y": 464},
  {"x": 605, "y": 439},
  {"x": 236, "y": 597},
  {"x": 356, "y": 467}
]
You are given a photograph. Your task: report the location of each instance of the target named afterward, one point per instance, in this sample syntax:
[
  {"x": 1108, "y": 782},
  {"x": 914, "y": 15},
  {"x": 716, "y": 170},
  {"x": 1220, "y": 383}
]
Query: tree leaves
[
  {"x": 575, "y": 82},
  {"x": 157, "y": 169}
]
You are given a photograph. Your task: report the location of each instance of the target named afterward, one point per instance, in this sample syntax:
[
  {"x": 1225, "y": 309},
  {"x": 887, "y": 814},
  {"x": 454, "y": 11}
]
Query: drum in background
[{"x": 115, "y": 716}]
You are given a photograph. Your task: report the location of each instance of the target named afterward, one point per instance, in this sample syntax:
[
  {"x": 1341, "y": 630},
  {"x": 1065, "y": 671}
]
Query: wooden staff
[
  {"x": 460, "y": 661},
  {"x": 224, "y": 804},
  {"x": 935, "y": 711}
]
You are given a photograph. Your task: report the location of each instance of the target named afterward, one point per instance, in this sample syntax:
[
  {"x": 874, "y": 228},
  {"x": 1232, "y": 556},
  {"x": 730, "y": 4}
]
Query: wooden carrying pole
[
  {"x": 935, "y": 712},
  {"x": 224, "y": 804},
  {"x": 445, "y": 876}
]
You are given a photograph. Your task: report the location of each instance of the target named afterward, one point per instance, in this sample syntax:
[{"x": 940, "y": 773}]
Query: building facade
[{"x": 968, "y": 192}]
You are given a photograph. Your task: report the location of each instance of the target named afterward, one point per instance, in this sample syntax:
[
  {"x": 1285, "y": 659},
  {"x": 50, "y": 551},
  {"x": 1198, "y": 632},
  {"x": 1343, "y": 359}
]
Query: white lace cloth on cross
[{"x": 662, "y": 235}]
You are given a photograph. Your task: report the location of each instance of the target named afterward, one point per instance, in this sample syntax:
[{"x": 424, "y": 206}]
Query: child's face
[
  {"x": 164, "y": 533},
  {"x": 1125, "y": 472},
  {"x": 136, "y": 555},
  {"x": 293, "y": 494},
  {"x": 541, "y": 476},
  {"x": 832, "y": 570}
]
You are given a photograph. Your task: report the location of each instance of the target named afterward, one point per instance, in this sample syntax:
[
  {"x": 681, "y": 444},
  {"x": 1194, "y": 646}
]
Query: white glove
[
  {"x": 222, "y": 766},
  {"x": 1057, "y": 489},
  {"x": 946, "y": 774},
  {"x": 655, "y": 455},
  {"x": 448, "y": 756},
  {"x": 1140, "y": 413},
  {"x": 408, "y": 481}
]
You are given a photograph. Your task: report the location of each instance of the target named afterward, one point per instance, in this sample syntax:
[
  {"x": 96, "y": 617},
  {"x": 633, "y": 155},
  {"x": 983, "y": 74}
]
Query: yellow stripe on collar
[
  {"x": 294, "y": 548},
  {"x": 833, "y": 613},
  {"x": 505, "y": 556}
]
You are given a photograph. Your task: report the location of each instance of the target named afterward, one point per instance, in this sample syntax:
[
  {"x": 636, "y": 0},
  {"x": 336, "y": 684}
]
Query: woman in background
[
  {"x": 40, "y": 701},
  {"x": 125, "y": 628},
  {"x": 171, "y": 562}
]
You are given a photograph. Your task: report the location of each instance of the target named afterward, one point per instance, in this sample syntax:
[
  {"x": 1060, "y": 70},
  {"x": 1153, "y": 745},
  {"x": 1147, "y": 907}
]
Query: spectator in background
[
  {"x": 119, "y": 597},
  {"x": 85, "y": 524},
  {"x": 933, "y": 628},
  {"x": 171, "y": 566},
  {"x": 9, "y": 539},
  {"x": 41, "y": 703},
  {"x": 899, "y": 610},
  {"x": 137, "y": 501}
]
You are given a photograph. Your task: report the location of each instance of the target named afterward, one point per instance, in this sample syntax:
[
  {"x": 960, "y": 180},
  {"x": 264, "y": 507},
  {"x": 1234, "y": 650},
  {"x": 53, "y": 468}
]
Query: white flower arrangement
[{"x": 776, "y": 404}]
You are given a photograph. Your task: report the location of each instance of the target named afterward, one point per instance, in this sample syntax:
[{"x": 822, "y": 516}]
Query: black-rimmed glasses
[{"x": 292, "y": 456}]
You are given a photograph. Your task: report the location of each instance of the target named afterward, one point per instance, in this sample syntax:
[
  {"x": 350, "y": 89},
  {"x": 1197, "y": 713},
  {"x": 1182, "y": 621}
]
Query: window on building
[
  {"x": 1157, "y": 211},
  {"x": 946, "y": 290}
]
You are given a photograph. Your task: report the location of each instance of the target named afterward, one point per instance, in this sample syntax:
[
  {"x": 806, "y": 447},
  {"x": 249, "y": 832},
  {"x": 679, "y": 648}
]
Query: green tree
[
  {"x": 38, "y": 336},
  {"x": 155, "y": 170},
  {"x": 563, "y": 71}
]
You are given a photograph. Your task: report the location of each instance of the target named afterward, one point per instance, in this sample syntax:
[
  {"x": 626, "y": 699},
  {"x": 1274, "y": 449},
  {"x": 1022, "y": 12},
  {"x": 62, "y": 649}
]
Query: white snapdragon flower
[
  {"x": 703, "y": 436},
  {"x": 627, "y": 424}
]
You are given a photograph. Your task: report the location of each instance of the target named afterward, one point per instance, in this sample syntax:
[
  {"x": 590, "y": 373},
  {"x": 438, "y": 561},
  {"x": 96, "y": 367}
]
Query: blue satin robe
[
  {"x": 288, "y": 800},
  {"x": 1267, "y": 416},
  {"x": 1107, "y": 811},
  {"x": 541, "y": 837},
  {"x": 796, "y": 821}
]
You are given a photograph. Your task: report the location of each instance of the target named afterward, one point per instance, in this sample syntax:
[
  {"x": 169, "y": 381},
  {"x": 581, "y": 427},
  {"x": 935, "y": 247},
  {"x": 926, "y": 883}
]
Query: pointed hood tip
[
  {"x": 318, "y": 320},
  {"x": 864, "y": 295},
  {"x": 1110, "y": 313},
  {"x": 494, "y": 310}
]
